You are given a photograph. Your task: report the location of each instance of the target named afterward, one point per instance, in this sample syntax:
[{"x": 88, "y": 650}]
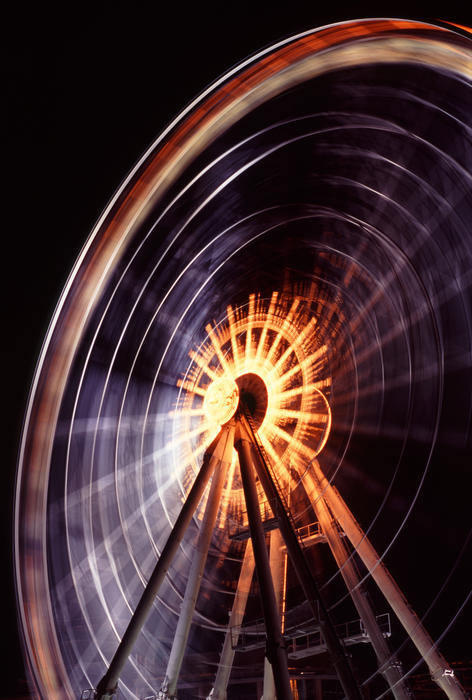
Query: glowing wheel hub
[
  {"x": 221, "y": 400},
  {"x": 269, "y": 354},
  {"x": 253, "y": 392}
]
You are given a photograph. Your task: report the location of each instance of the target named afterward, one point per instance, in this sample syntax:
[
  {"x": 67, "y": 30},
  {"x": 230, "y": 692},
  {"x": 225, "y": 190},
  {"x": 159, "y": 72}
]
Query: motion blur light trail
[
  {"x": 274, "y": 342},
  {"x": 269, "y": 350},
  {"x": 299, "y": 234}
]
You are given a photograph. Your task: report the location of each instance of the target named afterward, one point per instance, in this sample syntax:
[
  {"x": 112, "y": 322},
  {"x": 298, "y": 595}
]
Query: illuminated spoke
[
  {"x": 187, "y": 412},
  {"x": 216, "y": 344},
  {"x": 265, "y": 328},
  {"x": 289, "y": 439},
  {"x": 250, "y": 326},
  {"x": 202, "y": 362},
  {"x": 190, "y": 387},
  {"x": 293, "y": 414},
  {"x": 292, "y": 348},
  {"x": 234, "y": 341},
  {"x": 286, "y": 324},
  {"x": 308, "y": 362},
  {"x": 296, "y": 391}
]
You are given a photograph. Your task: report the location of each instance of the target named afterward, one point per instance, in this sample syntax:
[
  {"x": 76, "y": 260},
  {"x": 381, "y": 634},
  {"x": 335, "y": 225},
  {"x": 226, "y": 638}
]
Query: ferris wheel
[{"x": 239, "y": 466}]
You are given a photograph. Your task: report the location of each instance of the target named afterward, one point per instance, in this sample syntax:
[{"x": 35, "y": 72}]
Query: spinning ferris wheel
[{"x": 236, "y": 433}]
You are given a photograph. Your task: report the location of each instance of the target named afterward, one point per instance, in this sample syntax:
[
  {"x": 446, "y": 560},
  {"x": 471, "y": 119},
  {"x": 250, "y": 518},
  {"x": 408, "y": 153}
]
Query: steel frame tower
[{"x": 334, "y": 516}]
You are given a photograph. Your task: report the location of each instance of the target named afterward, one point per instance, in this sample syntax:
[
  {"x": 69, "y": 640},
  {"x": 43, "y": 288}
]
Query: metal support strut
[
  {"x": 108, "y": 685},
  {"x": 297, "y": 557},
  {"x": 225, "y": 665},
  {"x": 441, "y": 672},
  {"x": 276, "y": 652},
  {"x": 388, "y": 665},
  {"x": 176, "y": 657},
  {"x": 277, "y": 569}
]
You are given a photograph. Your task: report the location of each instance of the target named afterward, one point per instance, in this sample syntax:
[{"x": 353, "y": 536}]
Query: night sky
[{"x": 85, "y": 93}]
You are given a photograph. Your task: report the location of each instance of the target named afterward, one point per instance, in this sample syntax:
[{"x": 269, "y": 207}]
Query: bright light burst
[{"x": 277, "y": 340}]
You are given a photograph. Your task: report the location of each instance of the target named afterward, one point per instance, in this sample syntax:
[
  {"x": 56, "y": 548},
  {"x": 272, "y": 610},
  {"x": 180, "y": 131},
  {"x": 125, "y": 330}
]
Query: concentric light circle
[{"x": 335, "y": 169}]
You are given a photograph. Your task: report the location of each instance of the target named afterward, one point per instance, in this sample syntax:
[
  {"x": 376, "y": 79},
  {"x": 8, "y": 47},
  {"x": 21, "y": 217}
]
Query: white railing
[
  {"x": 352, "y": 632},
  {"x": 311, "y": 530}
]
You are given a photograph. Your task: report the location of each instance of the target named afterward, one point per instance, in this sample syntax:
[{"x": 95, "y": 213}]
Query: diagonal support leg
[
  {"x": 440, "y": 670},
  {"x": 277, "y": 567},
  {"x": 387, "y": 665},
  {"x": 174, "y": 664},
  {"x": 297, "y": 557},
  {"x": 237, "y": 614},
  {"x": 108, "y": 685},
  {"x": 275, "y": 647}
]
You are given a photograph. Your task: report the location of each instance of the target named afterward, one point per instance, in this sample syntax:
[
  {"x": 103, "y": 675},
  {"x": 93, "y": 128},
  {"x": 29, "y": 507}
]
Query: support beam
[
  {"x": 107, "y": 687},
  {"x": 176, "y": 657},
  {"x": 225, "y": 666},
  {"x": 297, "y": 557},
  {"x": 276, "y": 652},
  {"x": 441, "y": 672},
  {"x": 277, "y": 568},
  {"x": 388, "y": 666}
]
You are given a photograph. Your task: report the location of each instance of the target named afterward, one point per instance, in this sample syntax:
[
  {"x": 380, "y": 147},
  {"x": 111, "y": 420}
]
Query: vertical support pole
[
  {"x": 318, "y": 689},
  {"x": 174, "y": 664},
  {"x": 441, "y": 672},
  {"x": 275, "y": 647},
  {"x": 237, "y": 614},
  {"x": 387, "y": 665},
  {"x": 310, "y": 589},
  {"x": 294, "y": 684},
  {"x": 277, "y": 568},
  {"x": 106, "y": 688}
]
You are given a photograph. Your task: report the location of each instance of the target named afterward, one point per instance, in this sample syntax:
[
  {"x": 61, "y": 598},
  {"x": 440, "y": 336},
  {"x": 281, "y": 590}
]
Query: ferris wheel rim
[{"x": 45, "y": 358}]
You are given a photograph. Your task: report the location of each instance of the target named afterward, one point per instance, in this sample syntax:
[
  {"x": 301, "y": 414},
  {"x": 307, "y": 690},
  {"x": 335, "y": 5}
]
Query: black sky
[{"x": 85, "y": 92}]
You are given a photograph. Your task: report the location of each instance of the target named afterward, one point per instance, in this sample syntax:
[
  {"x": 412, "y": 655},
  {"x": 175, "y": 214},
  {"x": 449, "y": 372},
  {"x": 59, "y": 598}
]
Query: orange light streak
[
  {"x": 296, "y": 391},
  {"x": 265, "y": 328},
  {"x": 285, "y": 327},
  {"x": 460, "y": 26},
  {"x": 190, "y": 387},
  {"x": 234, "y": 341},
  {"x": 307, "y": 362},
  {"x": 240, "y": 345},
  {"x": 301, "y": 415},
  {"x": 213, "y": 335}
]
